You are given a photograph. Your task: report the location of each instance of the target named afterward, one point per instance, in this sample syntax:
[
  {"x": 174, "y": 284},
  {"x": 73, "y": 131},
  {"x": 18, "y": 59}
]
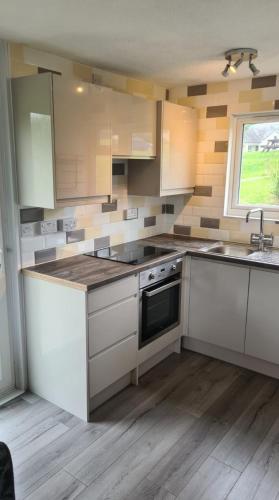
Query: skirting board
[{"x": 236, "y": 358}]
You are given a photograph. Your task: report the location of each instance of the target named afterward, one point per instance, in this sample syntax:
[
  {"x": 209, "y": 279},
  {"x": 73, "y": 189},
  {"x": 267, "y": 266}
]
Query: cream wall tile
[
  {"x": 218, "y": 87},
  {"x": 262, "y": 106},
  {"x": 230, "y": 224},
  {"x": 139, "y": 87},
  {"x": 209, "y": 169},
  {"x": 239, "y": 236},
  {"x": 208, "y": 211},
  {"x": 210, "y": 180},
  {"x": 222, "y": 122},
  {"x": 254, "y": 95},
  {"x": 215, "y": 158},
  {"x": 82, "y": 72},
  {"x": 92, "y": 232},
  {"x": 200, "y": 232}
]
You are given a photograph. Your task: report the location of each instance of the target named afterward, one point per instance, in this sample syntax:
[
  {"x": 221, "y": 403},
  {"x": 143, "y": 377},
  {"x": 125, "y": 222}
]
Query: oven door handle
[{"x": 162, "y": 288}]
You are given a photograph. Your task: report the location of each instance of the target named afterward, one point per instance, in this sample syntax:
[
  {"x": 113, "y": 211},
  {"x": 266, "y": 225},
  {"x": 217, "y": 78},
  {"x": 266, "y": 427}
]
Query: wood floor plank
[
  {"x": 260, "y": 479},
  {"x": 200, "y": 390},
  {"x": 120, "y": 480},
  {"x": 213, "y": 481},
  {"x": 175, "y": 469},
  {"x": 61, "y": 486},
  {"x": 97, "y": 457},
  {"x": 240, "y": 443},
  {"x": 149, "y": 491}
]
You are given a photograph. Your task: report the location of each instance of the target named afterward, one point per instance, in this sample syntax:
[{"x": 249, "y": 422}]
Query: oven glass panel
[{"x": 160, "y": 312}]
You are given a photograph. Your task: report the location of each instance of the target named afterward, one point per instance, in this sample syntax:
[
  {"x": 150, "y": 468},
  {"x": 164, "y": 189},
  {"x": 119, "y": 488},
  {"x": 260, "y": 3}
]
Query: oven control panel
[{"x": 160, "y": 272}]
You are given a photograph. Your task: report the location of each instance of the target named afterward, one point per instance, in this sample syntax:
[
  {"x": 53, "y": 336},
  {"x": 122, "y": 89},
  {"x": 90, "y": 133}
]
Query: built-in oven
[{"x": 160, "y": 294}]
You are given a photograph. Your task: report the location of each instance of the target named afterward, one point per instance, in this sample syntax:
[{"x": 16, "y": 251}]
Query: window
[{"x": 253, "y": 169}]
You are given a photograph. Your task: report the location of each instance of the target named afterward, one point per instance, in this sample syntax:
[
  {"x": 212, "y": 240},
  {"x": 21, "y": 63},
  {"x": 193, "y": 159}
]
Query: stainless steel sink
[{"x": 231, "y": 250}]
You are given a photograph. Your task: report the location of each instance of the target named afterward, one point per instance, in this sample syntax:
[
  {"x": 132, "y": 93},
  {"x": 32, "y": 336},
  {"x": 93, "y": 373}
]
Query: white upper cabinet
[
  {"x": 133, "y": 126},
  {"x": 63, "y": 140},
  {"x": 173, "y": 170}
]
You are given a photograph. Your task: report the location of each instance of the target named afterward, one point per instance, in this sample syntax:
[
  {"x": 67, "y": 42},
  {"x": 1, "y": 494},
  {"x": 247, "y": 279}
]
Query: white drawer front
[
  {"x": 110, "y": 325},
  {"x": 114, "y": 292},
  {"x": 112, "y": 364}
]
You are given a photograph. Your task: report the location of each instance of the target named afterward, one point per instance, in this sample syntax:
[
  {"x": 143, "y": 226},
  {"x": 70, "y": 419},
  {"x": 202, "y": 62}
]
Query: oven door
[{"x": 160, "y": 309}]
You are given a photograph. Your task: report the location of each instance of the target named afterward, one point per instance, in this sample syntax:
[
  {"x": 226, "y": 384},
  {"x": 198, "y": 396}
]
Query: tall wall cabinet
[
  {"x": 63, "y": 140},
  {"x": 173, "y": 170}
]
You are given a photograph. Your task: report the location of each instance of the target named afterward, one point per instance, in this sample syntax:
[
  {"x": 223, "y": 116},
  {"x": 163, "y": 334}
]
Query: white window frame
[{"x": 232, "y": 208}]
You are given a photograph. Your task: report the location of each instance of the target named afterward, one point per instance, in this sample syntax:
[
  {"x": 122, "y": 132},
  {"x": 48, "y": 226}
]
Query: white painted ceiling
[{"x": 169, "y": 41}]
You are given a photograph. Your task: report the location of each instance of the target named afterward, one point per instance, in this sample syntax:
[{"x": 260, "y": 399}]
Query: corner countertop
[{"x": 87, "y": 273}]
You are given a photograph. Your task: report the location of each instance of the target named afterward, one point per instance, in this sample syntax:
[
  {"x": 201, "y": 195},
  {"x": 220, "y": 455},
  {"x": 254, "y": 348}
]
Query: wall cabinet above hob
[{"x": 67, "y": 133}]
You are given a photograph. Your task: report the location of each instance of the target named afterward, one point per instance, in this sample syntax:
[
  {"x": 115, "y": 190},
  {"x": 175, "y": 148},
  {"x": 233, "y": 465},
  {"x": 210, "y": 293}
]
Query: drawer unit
[
  {"x": 114, "y": 292},
  {"x": 110, "y": 365},
  {"x": 112, "y": 324}
]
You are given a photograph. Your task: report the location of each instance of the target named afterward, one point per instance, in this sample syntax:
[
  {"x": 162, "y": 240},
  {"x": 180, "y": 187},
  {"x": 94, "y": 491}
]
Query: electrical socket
[
  {"x": 131, "y": 213},
  {"x": 48, "y": 226},
  {"x": 66, "y": 224}
]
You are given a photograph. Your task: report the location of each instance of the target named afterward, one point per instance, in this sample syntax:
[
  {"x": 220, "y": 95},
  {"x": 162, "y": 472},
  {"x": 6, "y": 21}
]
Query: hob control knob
[
  {"x": 151, "y": 276},
  {"x": 173, "y": 267}
]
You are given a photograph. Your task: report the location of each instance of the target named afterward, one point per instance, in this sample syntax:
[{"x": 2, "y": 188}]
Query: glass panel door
[{"x": 6, "y": 365}]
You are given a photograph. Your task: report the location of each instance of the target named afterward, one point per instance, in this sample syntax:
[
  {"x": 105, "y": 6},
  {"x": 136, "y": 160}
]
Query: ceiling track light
[{"x": 235, "y": 58}]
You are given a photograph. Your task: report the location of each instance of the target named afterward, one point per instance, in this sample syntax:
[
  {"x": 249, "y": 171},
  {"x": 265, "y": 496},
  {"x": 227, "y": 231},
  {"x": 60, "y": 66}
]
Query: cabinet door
[
  {"x": 82, "y": 139},
  {"x": 218, "y": 303},
  {"x": 122, "y": 124},
  {"x": 262, "y": 332},
  {"x": 143, "y": 128},
  {"x": 133, "y": 126},
  {"x": 179, "y": 129}
]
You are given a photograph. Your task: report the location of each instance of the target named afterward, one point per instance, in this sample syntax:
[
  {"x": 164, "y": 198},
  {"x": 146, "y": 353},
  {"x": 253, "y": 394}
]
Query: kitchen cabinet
[
  {"x": 173, "y": 170},
  {"x": 133, "y": 126},
  {"x": 80, "y": 345},
  {"x": 262, "y": 332},
  {"x": 218, "y": 303},
  {"x": 63, "y": 140}
]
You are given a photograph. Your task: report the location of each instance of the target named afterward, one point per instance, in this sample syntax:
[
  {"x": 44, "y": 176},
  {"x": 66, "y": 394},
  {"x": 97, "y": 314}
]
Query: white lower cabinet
[
  {"x": 217, "y": 303},
  {"x": 112, "y": 333},
  {"x": 262, "y": 332}
]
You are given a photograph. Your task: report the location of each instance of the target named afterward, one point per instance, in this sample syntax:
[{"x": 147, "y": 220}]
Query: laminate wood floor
[{"x": 194, "y": 429}]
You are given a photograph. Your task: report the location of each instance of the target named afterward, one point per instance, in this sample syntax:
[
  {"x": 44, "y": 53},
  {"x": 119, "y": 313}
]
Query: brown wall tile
[
  {"x": 263, "y": 81},
  {"x": 221, "y": 146},
  {"x": 45, "y": 255},
  {"x": 183, "y": 230},
  {"x": 75, "y": 236},
  {"x": 109, "y": 207},
  {"x": 118, "y": 169},
  {"x": 31, "y": 215},
  {"x": 210, "y": 223},
  {"x": 216, "y": 111},
  {"x": 193, "y": 90},
  {"x": 167, "y": 208},
  {"x": 150, "y": 221},
  {"x": 276, "y": 104},
  {"x": 203, "y": 191},
  {"x": 102, "y": 242}
]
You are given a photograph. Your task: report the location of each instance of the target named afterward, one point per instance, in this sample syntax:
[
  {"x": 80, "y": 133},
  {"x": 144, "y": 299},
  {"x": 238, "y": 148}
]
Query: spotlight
[
  {"x": 252, "y": 66},
  {"x": 238, "y": 62},
  {"x": 240, "y": 55}
]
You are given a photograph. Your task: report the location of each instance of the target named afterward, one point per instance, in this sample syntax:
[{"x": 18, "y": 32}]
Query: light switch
[{"x": 130, "y": 213}]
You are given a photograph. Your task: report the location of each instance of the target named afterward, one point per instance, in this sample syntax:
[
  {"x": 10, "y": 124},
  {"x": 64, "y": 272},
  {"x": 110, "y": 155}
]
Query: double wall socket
[
  {"x": 131, "y": 213},
  {"x": 47, "y": 226},
  {"x": 66, "y": 224}
]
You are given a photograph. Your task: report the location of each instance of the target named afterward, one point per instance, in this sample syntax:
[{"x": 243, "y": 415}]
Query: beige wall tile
[
  {"x": 215, "y": 158},
  {"x": 18, "y": 69},
  {"x": 250, "y": 95},
  {"x": 216, "y": 88},
  {"x": 82, "y": 72},
  {"x": 139, "y": 87},
  {"x": 92, "y": 232},
  {"x": 222, "y": 122},
  {"x": 262, "y": 106},
  {"x": 200, "y": 232},
  {"x": 230, "y": 224},
  {"x": 188, "y": 101}
]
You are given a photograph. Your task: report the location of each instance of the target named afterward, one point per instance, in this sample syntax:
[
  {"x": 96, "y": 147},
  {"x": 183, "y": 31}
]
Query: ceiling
[{"x": 171, "y": 42}]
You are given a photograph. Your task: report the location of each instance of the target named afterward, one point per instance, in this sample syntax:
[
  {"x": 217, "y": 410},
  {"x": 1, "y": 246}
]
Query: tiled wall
[
  {"x": 96, "y": 225},
  {"x": 202, "y": 215}
]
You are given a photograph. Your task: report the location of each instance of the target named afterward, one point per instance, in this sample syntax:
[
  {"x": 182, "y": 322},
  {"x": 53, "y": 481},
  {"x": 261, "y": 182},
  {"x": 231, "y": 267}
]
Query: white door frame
[{"x": 10, "y": 224}]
